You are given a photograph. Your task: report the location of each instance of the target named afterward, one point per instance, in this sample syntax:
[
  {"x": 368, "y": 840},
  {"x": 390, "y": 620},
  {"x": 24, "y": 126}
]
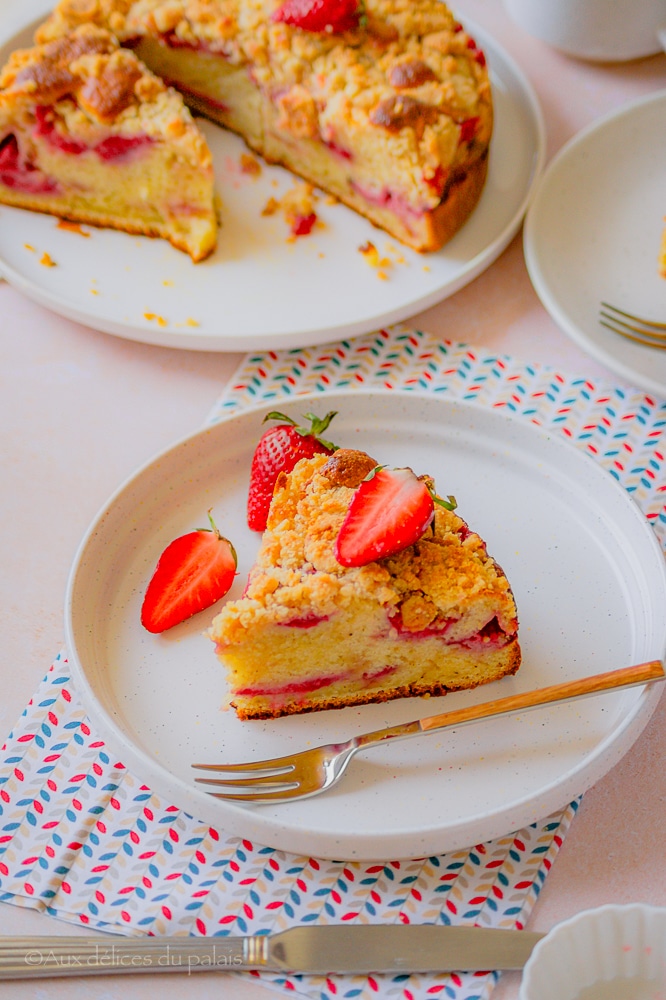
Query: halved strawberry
[
  {"x": 334, "y": 16},
  {"x": 279, "y": 449},
  {"x": 390, "y": 510},
  {"x": 193, "y": 572}
]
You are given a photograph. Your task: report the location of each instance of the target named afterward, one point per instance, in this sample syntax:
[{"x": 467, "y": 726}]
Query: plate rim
[
  {"x": 541, "y": 286},
  {"x": 524, "y": 94},
  {"x": 244, "y": 821}
]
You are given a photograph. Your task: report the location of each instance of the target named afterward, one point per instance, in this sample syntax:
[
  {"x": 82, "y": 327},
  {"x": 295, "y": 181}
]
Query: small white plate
[
  {"x": 259, "y": 291},
  {"x": 590, "y": 584},
  {"x": 593, "y": 234}
]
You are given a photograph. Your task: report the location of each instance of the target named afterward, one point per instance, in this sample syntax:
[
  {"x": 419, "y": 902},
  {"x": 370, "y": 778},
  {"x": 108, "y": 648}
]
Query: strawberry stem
[
  {"x": 213, "y": 526},
  {"x": 220, "y": 537},
  {"x": 282, "y": 417},
  {"x": 373, "y": 473},
  {"x": 449, "y": 504},
  {"x": 317, "y": 425}
]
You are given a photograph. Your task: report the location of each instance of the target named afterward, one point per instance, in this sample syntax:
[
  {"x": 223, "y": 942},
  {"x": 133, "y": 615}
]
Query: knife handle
[{"x": 49, "y": 957}]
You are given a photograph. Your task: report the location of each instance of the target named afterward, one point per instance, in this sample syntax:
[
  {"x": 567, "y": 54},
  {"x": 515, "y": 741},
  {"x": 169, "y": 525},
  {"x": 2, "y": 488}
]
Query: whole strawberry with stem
[
  {"x": 332, "y": 16},
  {"x": 193, "y": 572},
  {"x": 279, "y": 449},
  {"x": 391, "y": 509}
]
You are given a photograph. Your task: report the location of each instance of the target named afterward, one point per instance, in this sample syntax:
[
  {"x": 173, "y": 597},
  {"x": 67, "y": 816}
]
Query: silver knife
[{"x": 325, "y": 949}]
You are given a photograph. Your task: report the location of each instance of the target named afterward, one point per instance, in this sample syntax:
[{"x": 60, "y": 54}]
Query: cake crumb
[
  {"x": 168, "y": 283},
  {"x": 160, "y": 320},
  {"x": 371, "y": 254},
  {"x": 271, "y": 207},
  {"x": 298, "y": 209},
  {"x": 72, "y": 227},
  {"x": 46, "y": 260},
  {"x": 29, "y": 247},
  {"x": 250, "y": 165}
]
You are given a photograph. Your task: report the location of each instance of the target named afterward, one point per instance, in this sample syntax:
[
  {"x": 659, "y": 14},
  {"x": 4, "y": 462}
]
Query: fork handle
[{"x": 556, "y": 693}]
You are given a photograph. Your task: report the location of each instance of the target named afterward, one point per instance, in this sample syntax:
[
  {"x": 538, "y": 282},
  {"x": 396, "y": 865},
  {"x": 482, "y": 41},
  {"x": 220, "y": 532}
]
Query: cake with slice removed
[
  {"x": 89, "y": 134},
  {"x": 384, "y": 104},
  {"x": 310, "y": 633}
]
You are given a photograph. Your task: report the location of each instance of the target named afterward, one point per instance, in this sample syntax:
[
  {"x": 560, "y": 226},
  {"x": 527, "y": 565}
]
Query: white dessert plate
[
  {"x": 259, "y": 291},
  {"x": 593, "y": 233},
  {"x": 590, "y": 584}
]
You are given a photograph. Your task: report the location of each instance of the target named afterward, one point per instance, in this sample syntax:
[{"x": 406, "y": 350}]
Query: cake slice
[
  {"x": 89, "y": 134},
  {"x": 310, "y": 633},
  {"x": 384, "y": 104}
]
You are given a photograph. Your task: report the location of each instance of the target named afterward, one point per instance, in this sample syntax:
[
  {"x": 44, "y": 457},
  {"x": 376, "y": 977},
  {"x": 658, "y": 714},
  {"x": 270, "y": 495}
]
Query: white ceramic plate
[
  {"x": 590, "y": 584},
  {"x": 593, "y": 234},
  {"x": 258, "y": 291}
]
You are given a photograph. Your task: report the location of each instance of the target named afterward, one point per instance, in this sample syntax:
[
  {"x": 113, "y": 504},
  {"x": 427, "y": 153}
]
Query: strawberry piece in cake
[
  {"x": 87, "y": 133},
  {"x": 437, "y": 615}
]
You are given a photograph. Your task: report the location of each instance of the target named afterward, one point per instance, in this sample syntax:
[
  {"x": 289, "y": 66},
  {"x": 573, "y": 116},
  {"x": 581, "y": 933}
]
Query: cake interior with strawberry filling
[
  {"x": 89, "y": 134},
  {"x": 384, "y": 104},
  {"x": 367, "y": 587}
]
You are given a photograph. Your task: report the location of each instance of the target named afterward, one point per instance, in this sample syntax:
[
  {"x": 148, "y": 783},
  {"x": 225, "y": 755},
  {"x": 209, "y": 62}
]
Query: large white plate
[
  {"x": 593, "y": 233},
  {"x": 589, "y": 580},
  {"x": 258, "y": 291}
]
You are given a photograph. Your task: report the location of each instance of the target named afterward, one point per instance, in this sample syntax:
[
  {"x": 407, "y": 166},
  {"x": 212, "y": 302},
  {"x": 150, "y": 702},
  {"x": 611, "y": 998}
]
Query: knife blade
[{"x": 326, "y": 949}]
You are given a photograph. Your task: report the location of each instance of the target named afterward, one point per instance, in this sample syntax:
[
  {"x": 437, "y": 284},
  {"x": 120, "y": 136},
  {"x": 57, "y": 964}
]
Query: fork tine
[
  {"x": 636, "y": 329},
  {"x": 263, "y": 779},
  {"x": 649, "y": 334},
  {"x": 636, "y": 319},
  {"x": 644, "y": 340},
  {"x": 274, "y": 764},
  {"x": 287, "y": 793}
]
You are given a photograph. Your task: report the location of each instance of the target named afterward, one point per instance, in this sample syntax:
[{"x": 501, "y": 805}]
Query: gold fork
[
  {"x": 310, "y": 772},
  {"x": 641, "y": 331}
]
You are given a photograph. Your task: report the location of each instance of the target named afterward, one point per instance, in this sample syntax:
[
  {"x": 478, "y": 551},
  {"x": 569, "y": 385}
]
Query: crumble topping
[
  {"x": 85, "y": 83},
  {"x": 446, "y": 579},
  {"x": 348, "y": 467}
]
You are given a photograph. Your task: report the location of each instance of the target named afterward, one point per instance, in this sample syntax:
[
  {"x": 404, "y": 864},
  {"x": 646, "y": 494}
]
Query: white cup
[{"x": 598, "y": 30}]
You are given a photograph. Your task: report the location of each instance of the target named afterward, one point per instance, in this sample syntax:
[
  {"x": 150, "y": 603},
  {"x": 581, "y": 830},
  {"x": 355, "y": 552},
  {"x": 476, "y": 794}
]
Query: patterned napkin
[{"x": 83, "y": 839}]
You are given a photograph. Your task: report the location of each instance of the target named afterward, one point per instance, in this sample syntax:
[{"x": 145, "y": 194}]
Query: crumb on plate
[
  {"x": 153, "y": 317},
  {"x": 72, "y": 227}
]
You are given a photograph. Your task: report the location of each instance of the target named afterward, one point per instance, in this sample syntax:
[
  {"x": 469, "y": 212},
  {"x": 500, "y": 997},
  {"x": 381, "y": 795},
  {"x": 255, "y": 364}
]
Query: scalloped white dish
[
  {"x": 590, "y": 585},
  {"x": 259, "y": 291},
  {"x": 613, "y": 952},
  {"x": 593, "y": 234}
]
